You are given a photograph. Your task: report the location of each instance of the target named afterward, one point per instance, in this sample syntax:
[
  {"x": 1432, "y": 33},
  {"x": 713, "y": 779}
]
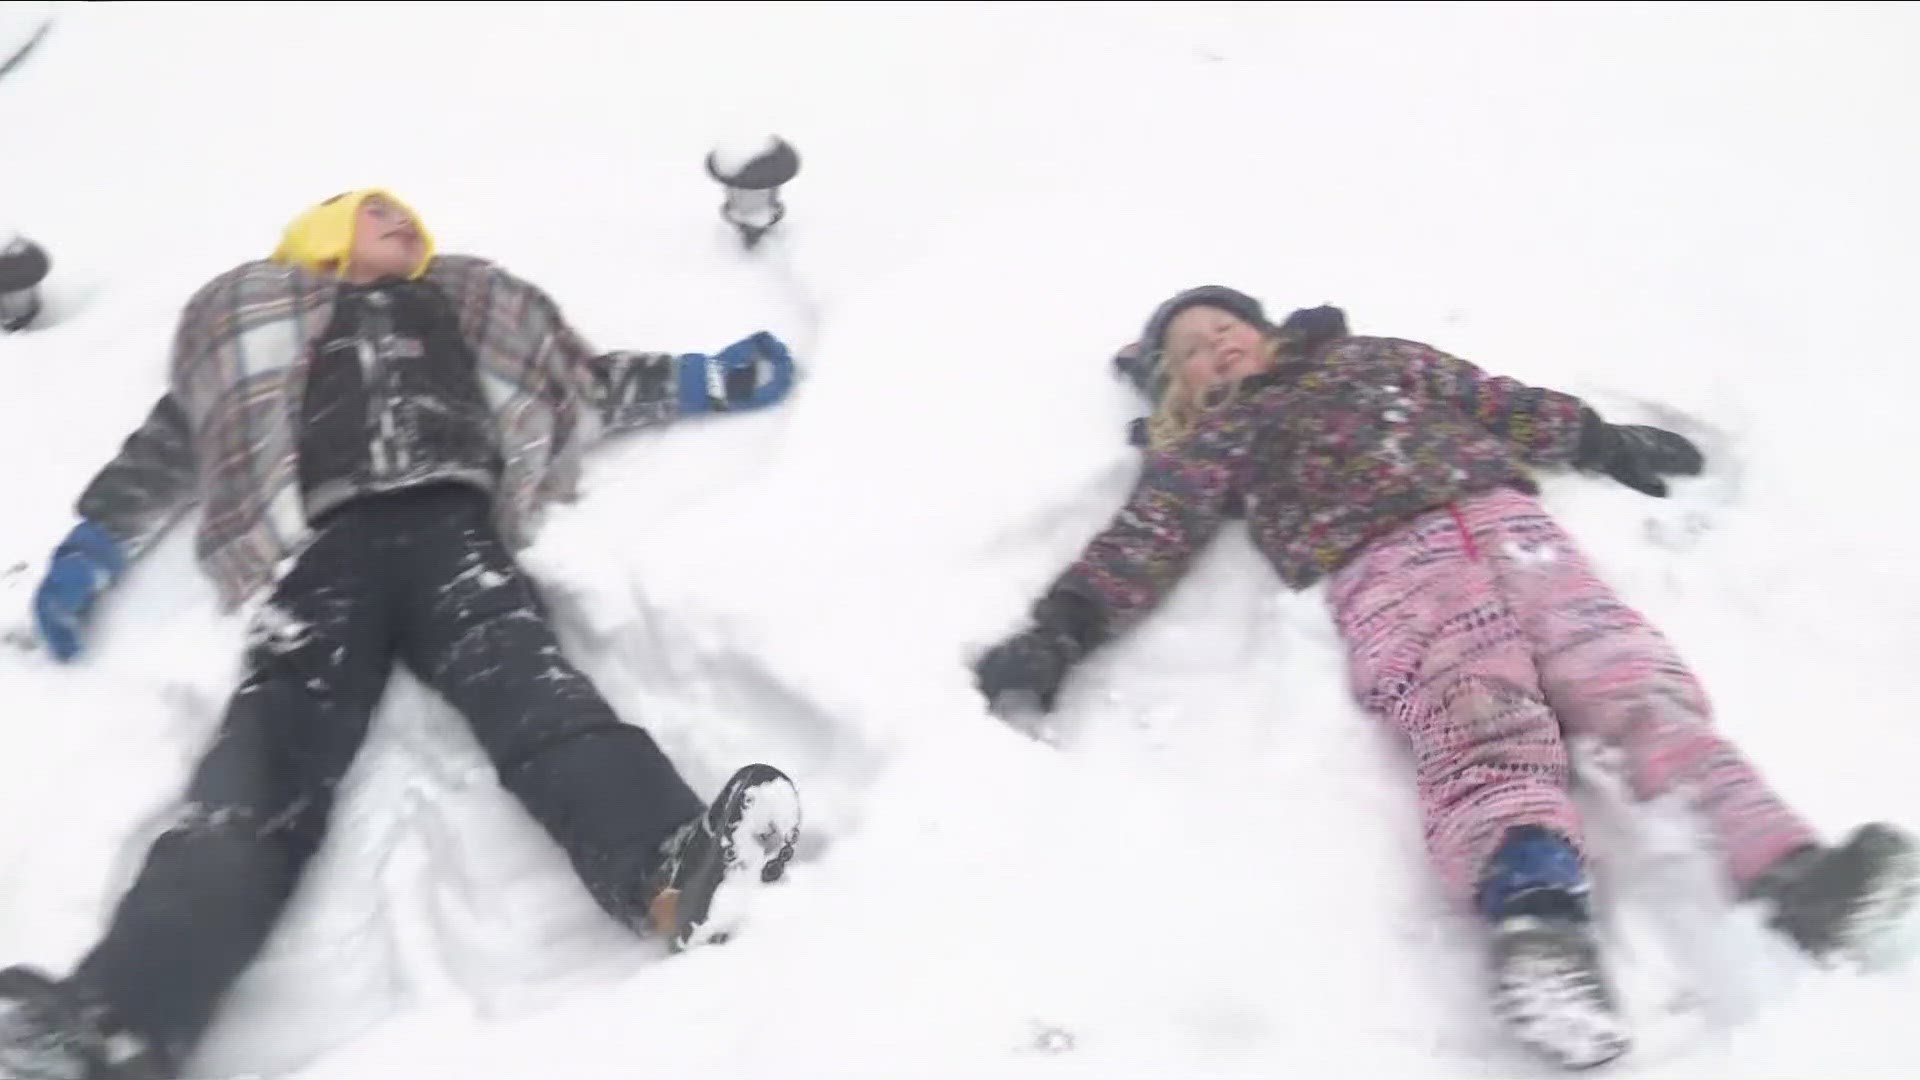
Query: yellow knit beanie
[{"x": 321, "y": 239}]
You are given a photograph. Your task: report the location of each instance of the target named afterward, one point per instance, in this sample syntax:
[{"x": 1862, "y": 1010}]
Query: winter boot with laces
[
  {"x": 697, "y": 892},
  {"x": 1853, "y": 901},
  {"x": 1548, "y": 985},
  {"x": 49, "y": 1031}
]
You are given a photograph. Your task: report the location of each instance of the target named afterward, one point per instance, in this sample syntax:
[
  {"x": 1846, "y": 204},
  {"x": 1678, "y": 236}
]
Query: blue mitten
[
  {"x": 85, "y": 564},
  {"x": 751, "y": 373}
]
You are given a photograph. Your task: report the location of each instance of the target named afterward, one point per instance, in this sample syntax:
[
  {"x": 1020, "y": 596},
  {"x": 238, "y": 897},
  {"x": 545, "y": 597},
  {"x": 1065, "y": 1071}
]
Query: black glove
[
  {"x": 1635, "y": 454},
  {"x": 1028, "y": 668},
  {"x": 1309, "y": 328}
]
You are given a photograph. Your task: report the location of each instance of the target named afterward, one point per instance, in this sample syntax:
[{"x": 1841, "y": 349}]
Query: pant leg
[
  {"x": 475, "y": 631},
  {"x": 214, "y": 884},
  {"x": 1612, "y": 677},
  {"x": 1434, "y": 650}
]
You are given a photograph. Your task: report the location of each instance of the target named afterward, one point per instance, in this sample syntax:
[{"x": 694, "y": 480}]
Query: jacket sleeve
[
  {"x": 623, "y": 389},
  {"x": 149, "y": 484},
  {"x": 1178, "y": 504},
  {"x": 633, "y": 389},
  {"x": 1543, "y": 425}
]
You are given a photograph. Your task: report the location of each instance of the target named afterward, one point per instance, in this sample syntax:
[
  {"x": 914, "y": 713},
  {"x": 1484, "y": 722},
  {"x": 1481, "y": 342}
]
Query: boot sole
[{"x": 757, "y": 823}]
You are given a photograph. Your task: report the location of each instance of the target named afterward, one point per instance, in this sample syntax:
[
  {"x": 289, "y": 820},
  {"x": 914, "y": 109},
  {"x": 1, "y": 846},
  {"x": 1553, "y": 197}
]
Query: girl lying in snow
[
  {"x": 370, "y": 430},
  {"x": 1473, "y": 624}
]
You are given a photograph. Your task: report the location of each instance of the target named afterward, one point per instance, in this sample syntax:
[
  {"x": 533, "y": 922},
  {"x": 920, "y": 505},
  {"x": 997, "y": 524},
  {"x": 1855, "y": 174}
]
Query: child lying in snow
[
  {"x": 370, "y": 429},
  {"x": 1473, "y": 623}
]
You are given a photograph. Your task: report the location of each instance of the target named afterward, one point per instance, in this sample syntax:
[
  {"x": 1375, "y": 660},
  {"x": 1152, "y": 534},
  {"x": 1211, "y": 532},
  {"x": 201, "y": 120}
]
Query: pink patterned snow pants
[{"x": 1483, "y": 633}]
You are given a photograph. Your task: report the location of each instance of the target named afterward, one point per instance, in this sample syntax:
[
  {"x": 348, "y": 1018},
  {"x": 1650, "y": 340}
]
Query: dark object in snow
[
  {"x": 1307, "y": 330},
  {"x": 57, "y": 1031},
  {"x": 1022, "y": 675},
  {"x": 23, "y": 266},
  {"x": 752, "y": 179},
  {"x": 26, "y": 47},
  {"x": 1636, "y": 455},
  {"x": 748, "y": 832},
  {"x": 1850, "y": 900}
]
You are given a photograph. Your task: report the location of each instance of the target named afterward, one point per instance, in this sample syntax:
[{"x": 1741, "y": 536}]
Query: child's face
[
  {"x": 1210, "y": 346},
  {"x": 385, "y": 242}
]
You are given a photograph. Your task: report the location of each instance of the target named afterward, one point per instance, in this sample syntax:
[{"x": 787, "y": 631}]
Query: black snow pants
[{"x": 420, "y": 575}]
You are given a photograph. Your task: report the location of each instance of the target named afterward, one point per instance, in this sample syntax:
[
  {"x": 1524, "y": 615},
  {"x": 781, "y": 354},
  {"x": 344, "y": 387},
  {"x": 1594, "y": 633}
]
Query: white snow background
[{"x": 1698, "y": 215}]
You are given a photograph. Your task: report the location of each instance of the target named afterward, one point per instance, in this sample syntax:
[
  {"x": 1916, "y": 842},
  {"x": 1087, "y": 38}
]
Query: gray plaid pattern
[{"x": 224, "y": 434}]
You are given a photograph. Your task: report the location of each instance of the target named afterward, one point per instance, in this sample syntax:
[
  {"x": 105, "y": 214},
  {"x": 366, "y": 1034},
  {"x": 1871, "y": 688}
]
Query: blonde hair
[{"x": 1183, "y": 403}]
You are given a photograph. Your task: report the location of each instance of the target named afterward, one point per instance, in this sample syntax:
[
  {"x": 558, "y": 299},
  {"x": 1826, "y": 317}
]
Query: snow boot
[
  {"x": 696, "y": 893},
  {"x": 48, "y": 1031},
  {"x": 1548, "y": 985},
  {"x": 1550, "y": 990},
  {"x": 1854, "y": 900}
]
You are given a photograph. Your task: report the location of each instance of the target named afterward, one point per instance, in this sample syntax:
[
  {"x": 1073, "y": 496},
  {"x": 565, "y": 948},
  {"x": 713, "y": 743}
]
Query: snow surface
[{"x": 1695, "y": 215}]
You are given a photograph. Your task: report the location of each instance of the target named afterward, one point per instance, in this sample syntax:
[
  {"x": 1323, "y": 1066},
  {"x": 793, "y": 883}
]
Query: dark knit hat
[{"x": 1143, "y": 363}]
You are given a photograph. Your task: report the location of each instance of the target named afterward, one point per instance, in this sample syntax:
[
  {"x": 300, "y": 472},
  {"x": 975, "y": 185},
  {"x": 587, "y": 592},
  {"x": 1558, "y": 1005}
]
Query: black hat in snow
[{"x": 1143, "y": 363}]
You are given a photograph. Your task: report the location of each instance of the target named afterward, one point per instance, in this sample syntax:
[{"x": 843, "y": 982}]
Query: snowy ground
[{"x": 1699, "y": 215}]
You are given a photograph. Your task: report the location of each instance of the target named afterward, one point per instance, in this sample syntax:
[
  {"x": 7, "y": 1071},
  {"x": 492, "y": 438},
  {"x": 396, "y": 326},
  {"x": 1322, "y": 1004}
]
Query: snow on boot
[
  {"x": 1548, "y": 985},
  {"x": 698, "y": 890},
  {"x": 1853, "y": 900},
  {"x": 1550, "y": 990},
  {"x": 47, "y": 1032}
]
